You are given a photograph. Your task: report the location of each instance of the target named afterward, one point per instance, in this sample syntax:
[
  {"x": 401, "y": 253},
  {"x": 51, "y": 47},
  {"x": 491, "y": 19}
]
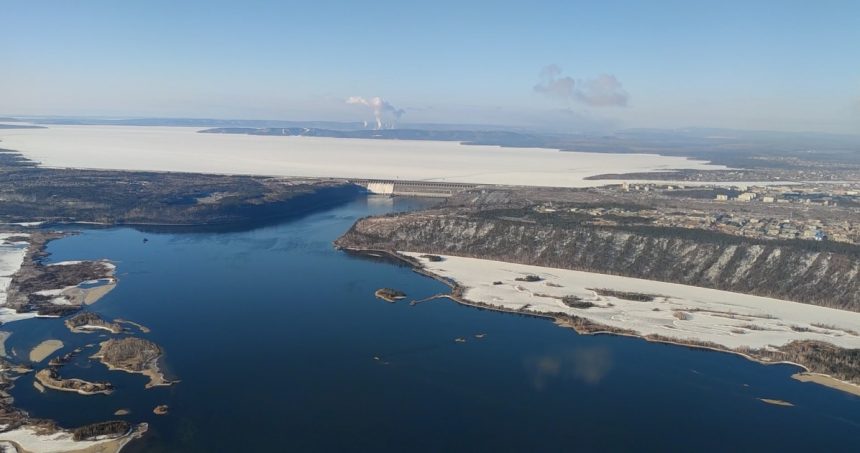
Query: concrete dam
[{"x": 412, "y": 188}]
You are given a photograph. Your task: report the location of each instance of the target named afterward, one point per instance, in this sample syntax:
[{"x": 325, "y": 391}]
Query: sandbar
[
  {"x": 828, "y": 381},
  {"x": 141, "y": 327},
  {"x": 3, "y": 337},
  {"x": 44, "y": 349}
]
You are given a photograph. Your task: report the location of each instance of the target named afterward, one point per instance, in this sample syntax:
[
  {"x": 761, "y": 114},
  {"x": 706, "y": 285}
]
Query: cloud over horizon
[{"x": 603, "y": 91}]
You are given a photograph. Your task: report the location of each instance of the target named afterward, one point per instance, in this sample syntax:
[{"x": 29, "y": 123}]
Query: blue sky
[{"x": 780, "y": 65}]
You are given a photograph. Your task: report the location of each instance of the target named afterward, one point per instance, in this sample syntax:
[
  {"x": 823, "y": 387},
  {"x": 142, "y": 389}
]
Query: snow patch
[{"x": 726, "y": 318}]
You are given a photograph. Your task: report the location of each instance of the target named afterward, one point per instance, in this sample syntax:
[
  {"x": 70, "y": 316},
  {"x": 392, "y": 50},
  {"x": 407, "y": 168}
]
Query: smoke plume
[{"x": 381, "y": 109}]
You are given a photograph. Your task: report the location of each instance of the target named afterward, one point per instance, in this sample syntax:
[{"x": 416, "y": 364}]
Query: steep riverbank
[{"x": 800, "y": 271}]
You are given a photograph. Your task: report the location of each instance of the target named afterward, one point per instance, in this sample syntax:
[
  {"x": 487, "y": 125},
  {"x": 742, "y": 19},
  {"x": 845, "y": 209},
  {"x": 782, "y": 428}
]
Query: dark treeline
[{"x": 32, "y": 193}]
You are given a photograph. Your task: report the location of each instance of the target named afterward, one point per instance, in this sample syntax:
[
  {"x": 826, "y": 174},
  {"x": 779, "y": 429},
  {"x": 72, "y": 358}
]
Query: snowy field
[
  {"x": 183, "y": 149},
  {"x": 679, "y": 311}
]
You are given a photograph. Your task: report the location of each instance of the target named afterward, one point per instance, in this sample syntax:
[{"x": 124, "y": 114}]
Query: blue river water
[{"x": 280, "y": 345}]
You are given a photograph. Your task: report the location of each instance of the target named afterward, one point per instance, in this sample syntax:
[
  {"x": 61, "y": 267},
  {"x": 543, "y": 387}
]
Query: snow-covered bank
[
  {"x": 11, "y": 258},
  {"x": 681, "y": 312},
  {"x": 183, "y": 149},
  {"x": 97, "y": 279},
  {"x": 30, "y": 439}
]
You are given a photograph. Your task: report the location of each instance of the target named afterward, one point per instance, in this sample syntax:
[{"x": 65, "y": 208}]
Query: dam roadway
[{"x": 412, "y": 188}]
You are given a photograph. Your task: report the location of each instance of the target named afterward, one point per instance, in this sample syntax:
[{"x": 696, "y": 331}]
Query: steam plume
[{"x": 380, "y": 108}]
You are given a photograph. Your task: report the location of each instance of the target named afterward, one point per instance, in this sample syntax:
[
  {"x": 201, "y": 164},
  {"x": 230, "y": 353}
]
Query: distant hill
[
  {"x": 472, "y": 137},
  {"x": 194, "y": 122},
  {"x": 740, "y": 149},
  {"x": 19, "y": 126}
]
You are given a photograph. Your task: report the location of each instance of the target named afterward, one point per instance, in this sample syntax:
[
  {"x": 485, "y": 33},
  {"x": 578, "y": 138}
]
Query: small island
[
  {"x": 390, "y": 295},
  {"x": 133, "y": 355},
  {"x": 160, "y": 409},
  {"x": 61, "y": 360},
  {"x": 49, "y": 378},
  {"x": 776, "y": 402},
  {"x": 88, "y": 322}
]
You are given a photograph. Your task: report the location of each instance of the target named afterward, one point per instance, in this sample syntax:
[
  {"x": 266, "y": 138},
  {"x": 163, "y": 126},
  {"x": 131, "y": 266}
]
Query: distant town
[{"x": 785, "y": 212}]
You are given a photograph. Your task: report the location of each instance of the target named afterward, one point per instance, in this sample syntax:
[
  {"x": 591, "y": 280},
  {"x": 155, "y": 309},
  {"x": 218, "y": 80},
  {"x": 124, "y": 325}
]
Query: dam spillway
[{"x": 412, "y": 188}]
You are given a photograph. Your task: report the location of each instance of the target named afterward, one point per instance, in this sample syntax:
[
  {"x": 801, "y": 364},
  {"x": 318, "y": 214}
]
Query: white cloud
[{"x": 604, "y": 91}]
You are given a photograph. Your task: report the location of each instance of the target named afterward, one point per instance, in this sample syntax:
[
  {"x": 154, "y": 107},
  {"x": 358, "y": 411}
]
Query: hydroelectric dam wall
[{"x": 412, "y": 188}]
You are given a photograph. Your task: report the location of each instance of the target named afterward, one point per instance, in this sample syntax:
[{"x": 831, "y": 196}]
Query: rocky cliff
[{"x": 802, "y": 271}]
